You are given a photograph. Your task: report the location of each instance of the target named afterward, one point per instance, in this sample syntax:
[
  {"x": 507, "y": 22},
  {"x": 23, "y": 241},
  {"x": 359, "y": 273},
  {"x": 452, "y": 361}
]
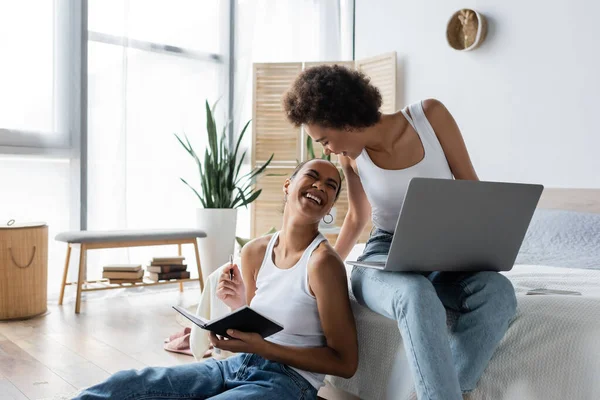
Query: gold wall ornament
[{"x": 466, "y": 30}]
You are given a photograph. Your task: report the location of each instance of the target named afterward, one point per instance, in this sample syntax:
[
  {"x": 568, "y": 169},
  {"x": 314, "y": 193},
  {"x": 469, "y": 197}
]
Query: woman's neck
[
  {"x": 381, "y": 136},
  {"x": 296, "y": 236}
]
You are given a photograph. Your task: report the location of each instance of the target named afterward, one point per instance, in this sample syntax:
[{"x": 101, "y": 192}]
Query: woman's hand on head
[{"x": 232, "y": 292}]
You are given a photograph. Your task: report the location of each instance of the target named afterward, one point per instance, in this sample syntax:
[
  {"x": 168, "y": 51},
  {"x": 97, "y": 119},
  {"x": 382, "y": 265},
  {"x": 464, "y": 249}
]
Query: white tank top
[
  {"x": 284, "y": 295},
  {"x": 386, "y": 188}
]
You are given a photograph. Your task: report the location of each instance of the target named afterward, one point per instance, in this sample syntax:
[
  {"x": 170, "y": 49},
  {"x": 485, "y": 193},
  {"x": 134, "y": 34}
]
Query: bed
[{"x": 551, "y": 350}]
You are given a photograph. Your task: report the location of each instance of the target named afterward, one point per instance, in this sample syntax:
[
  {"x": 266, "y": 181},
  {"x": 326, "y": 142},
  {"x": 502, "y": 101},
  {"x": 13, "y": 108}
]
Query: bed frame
[{"x": 584, "y": 200}]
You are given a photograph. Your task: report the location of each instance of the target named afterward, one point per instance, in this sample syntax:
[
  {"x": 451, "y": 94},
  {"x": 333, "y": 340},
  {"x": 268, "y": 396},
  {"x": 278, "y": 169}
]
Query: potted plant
[{"x": 222, "y": 190}]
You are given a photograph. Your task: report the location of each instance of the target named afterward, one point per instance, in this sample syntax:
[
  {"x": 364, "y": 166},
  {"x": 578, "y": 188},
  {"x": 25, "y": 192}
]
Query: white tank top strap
[
  {"x": 408, "y": 118},
  {"x": 268, "y": 255},
  {"x": 272, "y": 242},
  {"x": 424, "y": 128},
  {"x": 314, "y": 244},
  {"x": 305, "y": 257}
]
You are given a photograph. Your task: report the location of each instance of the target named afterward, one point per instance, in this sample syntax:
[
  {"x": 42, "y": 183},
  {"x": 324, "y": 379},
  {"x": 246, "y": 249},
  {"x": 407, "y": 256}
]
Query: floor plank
[
  {"x": 27, "y": 374},
  {"x": 62, "y": 352},
  {"x": 70, "y": 366},
  {"x": 8, "y": 391}
]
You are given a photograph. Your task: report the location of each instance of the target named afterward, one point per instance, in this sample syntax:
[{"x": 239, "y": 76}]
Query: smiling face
[
  {"x": 336, "y": 141},
  {"x": 312, "y": 191}
]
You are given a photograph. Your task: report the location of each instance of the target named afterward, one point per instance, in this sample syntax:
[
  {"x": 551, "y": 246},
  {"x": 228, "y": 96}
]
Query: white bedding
[{"x": 551, "y": 350}]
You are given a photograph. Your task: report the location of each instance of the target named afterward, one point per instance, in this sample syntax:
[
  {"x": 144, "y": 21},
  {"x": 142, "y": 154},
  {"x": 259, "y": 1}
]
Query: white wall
[{"x": 527, "y": 101}]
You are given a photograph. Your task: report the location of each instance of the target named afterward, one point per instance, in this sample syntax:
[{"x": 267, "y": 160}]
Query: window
[
  {"x": 34, "y": 89},
  {"x": 151, "y": 66},
  {"x": 40, "y": 44}
]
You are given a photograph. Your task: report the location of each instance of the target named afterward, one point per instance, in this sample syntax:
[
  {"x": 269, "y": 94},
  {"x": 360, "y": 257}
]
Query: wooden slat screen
[
  {"x": 273, "y": 134},
  {"x": 271, "y": 131},
  {"x": 267, "y": 208},
  {"x": 382, "y": 71}
]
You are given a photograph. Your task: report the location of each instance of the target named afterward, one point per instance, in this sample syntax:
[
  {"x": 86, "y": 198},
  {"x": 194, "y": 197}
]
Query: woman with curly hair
[{"x": 380, "y": 154}]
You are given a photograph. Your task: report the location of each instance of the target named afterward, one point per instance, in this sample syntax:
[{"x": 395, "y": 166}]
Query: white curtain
[
  {"x": 285, "y": 31},
  {"x": 138, "y": 99},
  {"x": 36, "y": 181}
]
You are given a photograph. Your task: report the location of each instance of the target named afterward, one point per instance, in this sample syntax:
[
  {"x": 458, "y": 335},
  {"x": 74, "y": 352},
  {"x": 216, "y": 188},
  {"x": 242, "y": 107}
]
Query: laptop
[{"x": 459, "y": 225}]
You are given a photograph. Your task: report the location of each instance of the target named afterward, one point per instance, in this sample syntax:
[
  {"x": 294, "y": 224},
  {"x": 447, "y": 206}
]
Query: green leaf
[
  {"x": 195, "y": 191},
  {"x": 237, "y": 171},
  {"x": 253, "y": 197},
  {"x": 241, "y": 241},
  {"x": 239, "y": 141},
  {"x": 188, "y": 149},
  {"x": 309, "y": 148},
  {"x": 243, "y": 198},
  {"x": 258, "y": 171},
  {"x": 211, "y": 130},
  {"x": 219, "y": 170},
  {"x": 242, "y": 195}
]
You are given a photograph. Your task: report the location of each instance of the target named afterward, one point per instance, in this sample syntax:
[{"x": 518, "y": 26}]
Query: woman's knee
[
  {"x": 121, "y": 384},
  {"x": 499, "y": 291},
  {"x": 417, "y": 295}
]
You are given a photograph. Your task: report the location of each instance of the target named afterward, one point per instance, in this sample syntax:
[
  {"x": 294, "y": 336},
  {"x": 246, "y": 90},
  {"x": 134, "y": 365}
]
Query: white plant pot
[{"x": 219, "y": 225}]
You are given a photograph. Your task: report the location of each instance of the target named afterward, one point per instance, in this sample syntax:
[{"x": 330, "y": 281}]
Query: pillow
[{"x": 561, "y": 238}]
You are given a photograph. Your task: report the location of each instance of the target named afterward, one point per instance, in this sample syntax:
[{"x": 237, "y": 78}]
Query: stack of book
[
  {"x": 123, "y": 273},
  {"x": 166, "y": 268}
]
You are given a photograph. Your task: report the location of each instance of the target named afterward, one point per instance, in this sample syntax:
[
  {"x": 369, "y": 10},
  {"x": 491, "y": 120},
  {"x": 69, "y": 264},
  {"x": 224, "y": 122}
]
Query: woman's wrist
[
  {"x": 265, "y": 350},
  {"x": 237, "y": 305}
]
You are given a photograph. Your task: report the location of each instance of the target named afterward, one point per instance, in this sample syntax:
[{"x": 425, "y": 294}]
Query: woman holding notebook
[
  {"x": 380, "y": 154},
  {"x": 293, "y": 277}
]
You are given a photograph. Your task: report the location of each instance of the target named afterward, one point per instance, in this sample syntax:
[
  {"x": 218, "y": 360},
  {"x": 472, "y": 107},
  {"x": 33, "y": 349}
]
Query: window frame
[
  {"x": 70, "y": 61},
  {"x": 69, "y": 141}
]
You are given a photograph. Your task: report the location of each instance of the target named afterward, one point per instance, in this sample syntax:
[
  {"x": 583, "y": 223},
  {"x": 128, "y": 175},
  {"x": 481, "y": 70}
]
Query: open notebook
[{"x": 243, "y": 319}]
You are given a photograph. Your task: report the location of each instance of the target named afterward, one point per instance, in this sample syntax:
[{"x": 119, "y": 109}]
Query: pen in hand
[{"x": 216, "y": 349}]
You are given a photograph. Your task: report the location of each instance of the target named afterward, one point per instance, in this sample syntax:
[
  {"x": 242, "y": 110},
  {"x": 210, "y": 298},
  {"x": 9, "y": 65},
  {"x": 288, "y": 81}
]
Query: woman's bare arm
[
  {"x": 328, "y": 282},
  {"x": 359, "y": 211},
  {"x": 451, "y": 139}
]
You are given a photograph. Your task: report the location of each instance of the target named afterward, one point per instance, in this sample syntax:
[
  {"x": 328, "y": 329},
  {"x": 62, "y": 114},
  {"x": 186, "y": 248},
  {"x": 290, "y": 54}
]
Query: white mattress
[{"x": 551, "y": 350}]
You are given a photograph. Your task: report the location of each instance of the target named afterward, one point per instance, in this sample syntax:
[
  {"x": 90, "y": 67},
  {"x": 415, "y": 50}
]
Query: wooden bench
[{"x": 91, "y": 240}]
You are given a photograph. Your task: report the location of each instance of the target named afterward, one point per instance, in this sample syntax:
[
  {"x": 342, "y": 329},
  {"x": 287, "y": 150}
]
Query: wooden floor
[{"x": 53, "y": 356}]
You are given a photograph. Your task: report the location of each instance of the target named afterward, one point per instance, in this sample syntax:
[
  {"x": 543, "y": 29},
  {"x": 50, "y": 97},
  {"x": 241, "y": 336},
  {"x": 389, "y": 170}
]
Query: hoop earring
[{"x": 330, "y": 221}]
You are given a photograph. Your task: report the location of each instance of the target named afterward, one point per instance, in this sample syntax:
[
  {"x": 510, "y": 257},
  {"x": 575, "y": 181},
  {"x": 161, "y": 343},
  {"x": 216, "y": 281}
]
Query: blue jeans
[
  {"x": 443, "y": 364},
  {"x": 244, "y": 376}
]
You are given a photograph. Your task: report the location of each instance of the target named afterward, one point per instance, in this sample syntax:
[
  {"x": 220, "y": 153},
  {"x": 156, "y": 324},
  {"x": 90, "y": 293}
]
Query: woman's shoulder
[
  {"x": 255, "y": 249},
  {"x": 433, "y": 108},
  {"x": 325, "y": 257}
]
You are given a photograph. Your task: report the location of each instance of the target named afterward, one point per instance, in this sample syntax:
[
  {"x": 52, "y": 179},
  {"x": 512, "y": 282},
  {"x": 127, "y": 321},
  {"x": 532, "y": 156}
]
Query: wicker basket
[
  {"x": 23, "y": 271},
  {"x": 466, "y": 30}
]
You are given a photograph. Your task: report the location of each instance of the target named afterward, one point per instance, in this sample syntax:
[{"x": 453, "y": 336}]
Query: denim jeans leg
[
  {"x": 262, "y": 379},
  {"x": 199, "y": 380},
  {"x": 486, "y": 304},
  {"x": 411, "y": 300}
]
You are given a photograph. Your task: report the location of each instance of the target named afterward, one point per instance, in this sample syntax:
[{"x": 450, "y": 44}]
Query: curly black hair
[{"x": 333, "y": 96}]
